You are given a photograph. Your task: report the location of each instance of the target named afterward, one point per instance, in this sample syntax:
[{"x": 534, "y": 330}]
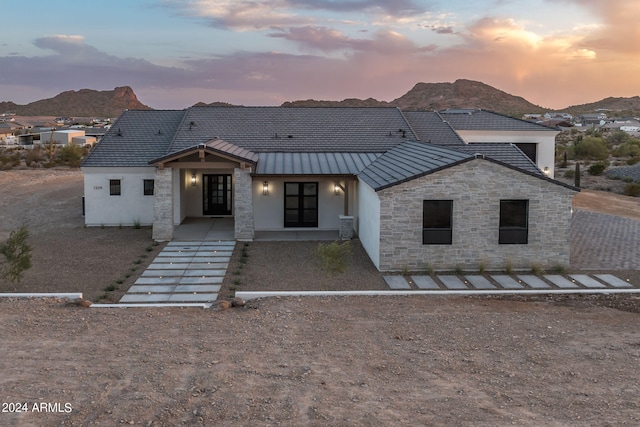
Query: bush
[
  {"x": 628, "y": 149},
  {"x": 633, "y": 160},
  {"x": 597, "y": 169},
  {"x": 592, "y": 148},
  {"x": 70, "y": 155},
  {"x": 632, "y": 189},
  {"x": 17, "y": 254},
  {"x": 334, "y": 256},
  {"x": 569, "y": 173}
]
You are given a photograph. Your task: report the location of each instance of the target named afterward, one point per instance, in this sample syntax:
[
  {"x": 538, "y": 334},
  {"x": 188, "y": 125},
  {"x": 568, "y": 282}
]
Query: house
[
  {"x": 61, "y": 137},
  {"x": 410, "y": 186}
]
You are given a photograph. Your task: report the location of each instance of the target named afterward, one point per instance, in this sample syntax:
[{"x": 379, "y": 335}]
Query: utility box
[{"x": 346, "y": 227}]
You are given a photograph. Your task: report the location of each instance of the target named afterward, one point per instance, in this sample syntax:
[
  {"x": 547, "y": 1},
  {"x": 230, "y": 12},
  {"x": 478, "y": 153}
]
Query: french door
[
  {"x": 301, "y": 204},
  {"x": 216, "y": 195}
]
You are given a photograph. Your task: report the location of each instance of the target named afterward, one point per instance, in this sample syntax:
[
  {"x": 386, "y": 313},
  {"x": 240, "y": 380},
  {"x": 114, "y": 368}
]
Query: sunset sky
[{"x": 174, "y": 53}]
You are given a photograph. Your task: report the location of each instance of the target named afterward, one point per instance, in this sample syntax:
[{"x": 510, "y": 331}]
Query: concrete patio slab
[
  {"x": 163, "y": 273},
  {"x": 166, "y": 253},
  {"x": 156, "y": 281},
  {"x": 161, "y": 289},
  {"x": 534, "y": 282},
  {"x": 198, "y": 288},
  {"x": 452, "y": 282},
  {"x": 560, "y": 281},
  {"x": 507, "y": 282},
  {"x": 480, "y": 282},
  {"x": 396, "y": 282},
  {"x": 614, "y": 281},
  {"x": 587, "y": 281},
  {"x": 167, "y": 265},
  {"x": 145, "y": 298},
  {"x": 204, "y": 273},
  {"x": 425, "y": 282},
  {"x": 208, "y": 297},
  {"x": 209, "y": 265},
  {"x": 214, "y": 253},
  {"x": 200, "y": 280},
  {"x": 176, "y": 259}
]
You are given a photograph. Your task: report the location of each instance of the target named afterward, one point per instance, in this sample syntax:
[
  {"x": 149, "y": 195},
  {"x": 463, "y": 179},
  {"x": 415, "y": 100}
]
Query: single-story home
[{"x": 410, "y": 187}]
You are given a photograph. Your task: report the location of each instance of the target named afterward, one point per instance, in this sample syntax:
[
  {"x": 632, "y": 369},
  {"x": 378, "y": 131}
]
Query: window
[
  {"x": 148, "y": 187},
  {"x": 114, "y": 187},
  {"x": 436, "y": 222},
  {"x": 301, "y": 204},
  {"x": 514, "y": 222}
]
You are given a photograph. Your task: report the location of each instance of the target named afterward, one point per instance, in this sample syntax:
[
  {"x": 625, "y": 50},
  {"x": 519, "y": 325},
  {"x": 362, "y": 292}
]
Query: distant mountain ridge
[
  {"x": 81, "y": 103},
  {"x": 423, "y": 96}
]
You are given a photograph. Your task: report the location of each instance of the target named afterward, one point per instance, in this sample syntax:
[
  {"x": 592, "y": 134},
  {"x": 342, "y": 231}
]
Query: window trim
[
  {"x": 513, "y": 234},
  {"x": 437, "y": 235},
  {"x": 115, "y": 187},
  {"x": 144, "y": 187}
]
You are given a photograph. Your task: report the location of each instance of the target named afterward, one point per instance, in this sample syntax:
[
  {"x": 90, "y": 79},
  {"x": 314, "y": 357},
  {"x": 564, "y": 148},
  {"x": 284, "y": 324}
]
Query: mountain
[
  {"x": 81, "y": 103},
  {"x": 439, "y": 96},
  {"x": 621, "y": 106}
]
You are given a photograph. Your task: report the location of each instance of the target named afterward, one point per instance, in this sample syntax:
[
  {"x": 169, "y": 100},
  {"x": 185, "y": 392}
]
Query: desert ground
[{"x": 342, "y": 361}]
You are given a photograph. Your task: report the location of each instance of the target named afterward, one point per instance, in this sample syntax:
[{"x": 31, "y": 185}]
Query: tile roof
[
  {"x": 409, "y": 161},
  {"x": 313, "y": 163},
  {"x": 295, "y": 129},
  {"x": 429, "y": 126},
  {"x": 504, "y": 153},
  {"x": 476, "y": 119},
  {"x": 136, "y": 138}
]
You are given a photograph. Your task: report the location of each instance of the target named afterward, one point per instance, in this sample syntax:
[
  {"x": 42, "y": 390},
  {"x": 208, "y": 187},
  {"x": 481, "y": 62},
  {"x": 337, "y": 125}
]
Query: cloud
[{"x": 389, "y": 7}]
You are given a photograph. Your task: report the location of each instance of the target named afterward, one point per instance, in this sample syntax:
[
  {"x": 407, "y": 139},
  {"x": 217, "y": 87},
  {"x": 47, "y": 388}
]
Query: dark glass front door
[{"x": 216, "y": 194}]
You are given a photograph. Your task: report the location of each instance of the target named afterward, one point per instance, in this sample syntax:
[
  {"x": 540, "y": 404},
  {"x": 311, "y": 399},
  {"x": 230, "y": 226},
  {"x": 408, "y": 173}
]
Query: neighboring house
[
  {"x": 417, "y": 194},
  {"x": 61, "y": 137}
]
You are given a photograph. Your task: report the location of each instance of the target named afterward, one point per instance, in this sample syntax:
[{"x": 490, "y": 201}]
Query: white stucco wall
[
  {"x": 545, "y": 139},
  {"x": 131, "y": 207},
  {"x": 369, "y": 221},
  {"x": 269, "y": 209}
]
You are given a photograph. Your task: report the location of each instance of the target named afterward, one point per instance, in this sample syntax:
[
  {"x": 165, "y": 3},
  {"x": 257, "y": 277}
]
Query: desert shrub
[
  {"x": 632, "y": 189},
  {"x": 630, "y": 148},
  {"x": 597, "y": 169},
  {"x": 618, "y": 137},
  {"x": 34, "y": 157},
  {"x": 593, "y": 148},
  {"x": 70, "y": 155},
  {"x": 569, "y": 173},
  {"x": 17, "y": 254},
  {"x": 334, "y": 256},
  {"x": 9, "y": 159},
  {"x": 633, "y": 160}
]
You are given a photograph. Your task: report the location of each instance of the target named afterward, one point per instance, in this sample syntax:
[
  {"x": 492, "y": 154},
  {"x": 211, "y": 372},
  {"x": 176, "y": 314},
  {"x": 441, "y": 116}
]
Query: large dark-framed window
[
  {"x": 148, "y": 187},
  {"x": 115, "y": 187},
  {"x": 300, "y": 204},
  {"x": 437, "y": 218},
  {"x": 514, "y": 222}
]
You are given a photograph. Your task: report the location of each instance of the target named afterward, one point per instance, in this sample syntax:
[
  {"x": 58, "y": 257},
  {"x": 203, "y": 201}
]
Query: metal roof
[
  {"x": 409, "y": 161},
  {"x": 313, "y": 163},
  {"x": 505, "y": 153}
]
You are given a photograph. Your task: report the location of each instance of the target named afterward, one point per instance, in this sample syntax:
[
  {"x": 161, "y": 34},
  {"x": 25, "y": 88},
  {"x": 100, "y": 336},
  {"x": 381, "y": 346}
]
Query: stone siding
[
  {"x": 476, "y": 188},
  {"x": 243, "y": 202},
  {"x": 163, "y": 205}
]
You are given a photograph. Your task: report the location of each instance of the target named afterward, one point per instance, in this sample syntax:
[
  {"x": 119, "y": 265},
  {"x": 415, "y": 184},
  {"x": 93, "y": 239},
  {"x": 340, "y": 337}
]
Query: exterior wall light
[
  {"x": 193, "y": 179},
  {"x": 546, "y": 170},
  {"x": 336, "y": 189},
  {"x": 265, "y": 188}
]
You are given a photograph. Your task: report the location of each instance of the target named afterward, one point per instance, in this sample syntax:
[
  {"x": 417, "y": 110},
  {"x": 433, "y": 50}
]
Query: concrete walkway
[
  {"x": 183, "y": 272},
  {"x": 516, "y": 282}
]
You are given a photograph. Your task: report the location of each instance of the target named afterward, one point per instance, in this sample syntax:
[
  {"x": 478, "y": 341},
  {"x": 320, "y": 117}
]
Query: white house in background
[
  {"x": 412, "y": 188},
  {"x": 61, "y": 137}
]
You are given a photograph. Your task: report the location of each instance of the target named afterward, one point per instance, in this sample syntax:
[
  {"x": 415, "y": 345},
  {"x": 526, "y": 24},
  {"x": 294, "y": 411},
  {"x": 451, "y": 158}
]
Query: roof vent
[
  {"x": 479, "y": 155},
  {"x": 159, "y": 132},
  {"x": 119, "y": 132},
  {"x": 289, "y": 136},
  {"x": 191, "y": 124}
]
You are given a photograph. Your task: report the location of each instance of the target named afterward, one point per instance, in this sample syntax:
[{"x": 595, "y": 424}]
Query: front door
[{"x": 216, "y": 195}]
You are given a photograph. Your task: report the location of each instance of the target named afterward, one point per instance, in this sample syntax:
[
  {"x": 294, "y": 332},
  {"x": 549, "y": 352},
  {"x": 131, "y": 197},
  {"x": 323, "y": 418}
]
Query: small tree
[{"x": 17, "y": 254}]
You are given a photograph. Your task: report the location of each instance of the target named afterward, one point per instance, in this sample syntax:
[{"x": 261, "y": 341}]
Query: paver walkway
[
  {"x": 183, "y": 272},
  {"x": 504, "y": 282}
]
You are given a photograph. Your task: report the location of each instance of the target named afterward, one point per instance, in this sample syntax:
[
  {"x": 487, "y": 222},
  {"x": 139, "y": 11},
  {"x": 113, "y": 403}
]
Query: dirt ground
[{"x": 292, "y": 361}]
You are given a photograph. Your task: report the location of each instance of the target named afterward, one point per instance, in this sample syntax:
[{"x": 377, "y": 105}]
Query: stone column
[
  {"x": 243, "y": 203},
  {"x": 163, "y": 205}
]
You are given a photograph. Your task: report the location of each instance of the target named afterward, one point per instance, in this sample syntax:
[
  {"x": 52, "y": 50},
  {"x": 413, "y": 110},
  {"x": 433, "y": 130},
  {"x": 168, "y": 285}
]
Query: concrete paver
[
  {"x": 480, "y": 282},
  {"x": 560, "y": 281},
  {"x": 425, "y": 282},
  {"x": 614, "y": 281},
  {"x": 586, "y": 281},
  {"x": 397, "y": 282},
  {"x": 507, "y": 282},
  {"x": 534, "y": 282},
  {"x": 452, "y": 282}
]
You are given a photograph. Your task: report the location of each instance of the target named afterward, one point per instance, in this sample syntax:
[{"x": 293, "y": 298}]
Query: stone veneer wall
[
  {"x": 243, "y": 202},
  {"x": 476, "y": 188},
  {"x": 163, "y": 205}
]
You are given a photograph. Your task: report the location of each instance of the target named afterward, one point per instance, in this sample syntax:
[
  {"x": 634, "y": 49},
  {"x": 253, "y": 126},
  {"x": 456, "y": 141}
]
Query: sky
[{"x": 175, "y": 53}]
